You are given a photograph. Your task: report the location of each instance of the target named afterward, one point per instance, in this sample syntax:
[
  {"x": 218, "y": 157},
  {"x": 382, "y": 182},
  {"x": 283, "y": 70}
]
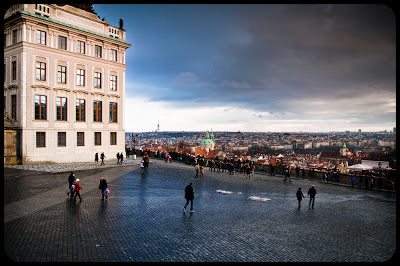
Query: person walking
[
  {"x": 77, "y": 190},
  {"x": 117, "y": 157},
  {"x": 121, "y": 158},
  {"x": 189, "y": 196},
  {"x": 300, "y": 196},
  {"x": 146, "y": 164},
  {"x": 312, "y": 191},
  {"x": 201, "y": 171},
  {"x": 102, "y": 187},
  {"x": 96, "y": 158},
  {"x": 197, "y": 168},
  {"x": 142, "y": 165},
  {"x": 102, "y": 156},
  {"x": 71, "y": 179}
]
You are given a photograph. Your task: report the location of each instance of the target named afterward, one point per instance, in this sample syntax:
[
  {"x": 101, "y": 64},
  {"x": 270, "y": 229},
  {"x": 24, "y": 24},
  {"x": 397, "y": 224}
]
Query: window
[
  {"x": 80, "y": 76},
  {"x": 62, "y": 74},
  {"x": 113, "y": 112},
  {"x": 62, "y": 42},
  {"x": 80, "y": 47},
  {"x": 14, "y": 107},
  {"x": 40, "y": 107},
  {"x": 62, "y": 139},
  {"x": 113, "y": 55},
  {"x": 97, "y": 138},
  {"x": 97, "y": 111},
  {"x": 113, "y": 83},
  {"x": 97, "y": 80},
  {"x": 80, "y": 139},
  {"x": 61, "y": 107},
  {"x": 113, "y": 138},
  {"x": 80, "y": 110},
  {"x": 41, "y": 37},
  {"x": 14, "y": 36},
  {"x": 40, "y": 71},
  {"x": 14, "y": 70},
  {"x": 97, "y": 51},
  {"x": 40, "y": 139}
]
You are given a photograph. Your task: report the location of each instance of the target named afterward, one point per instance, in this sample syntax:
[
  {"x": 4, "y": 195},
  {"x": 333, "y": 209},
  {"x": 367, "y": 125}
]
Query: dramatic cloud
[{"x": 261, "y": 67}]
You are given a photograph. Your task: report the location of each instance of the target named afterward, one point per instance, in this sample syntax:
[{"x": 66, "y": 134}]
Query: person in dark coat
[
  {"x": 189, "y": 196},
  {"x": 312, "y": 191},
  {"x": 96, "y": 158},
  {"x": 300, "y": 196},
  {"x": 71, "y": 180},
  {"x": 102, "y": 187},
  {"x": 102, "y": 156}
]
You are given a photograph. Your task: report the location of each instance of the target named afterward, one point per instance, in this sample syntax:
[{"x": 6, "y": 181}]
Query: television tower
[{"x": 158, "y": 126}]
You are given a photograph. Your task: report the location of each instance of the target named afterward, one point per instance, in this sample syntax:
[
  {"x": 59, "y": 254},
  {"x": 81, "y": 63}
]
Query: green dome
[{"x": 206, "y": 141}]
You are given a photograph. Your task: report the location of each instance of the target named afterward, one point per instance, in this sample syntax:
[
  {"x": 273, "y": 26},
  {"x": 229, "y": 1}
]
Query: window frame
[
  {"x": 62, "y": 74},
  {"x": 81, "y": 47},
  {"x": 113, "y": 82},
  {"x": 41, "y": 115},
  {"x": 62, "y": 42},
  {"x": 41, "y": 71},
  {"x": 79, "y": 117},
  {"x": 80, "y": 139},
  {"x": 98, "y": 51},
  {"x": 80, "y": 77},
  {"x": 40, "y": 139},
  {"x": 41, "y": 37},
  {"x": 97, "y": 80},
  {"x": 62, "y": 139},
  {"x": 113, "y": 108},
  {"x": 97, "y": 138},
  {"x": 97, "y": 111},
  {"x": 14, "y": 70},
  {"x": 113, "y": 55},
  {"x": 14, "y": 106},
  {"x": 61, "y": 108},
  {"x": 113, "y": 138}
]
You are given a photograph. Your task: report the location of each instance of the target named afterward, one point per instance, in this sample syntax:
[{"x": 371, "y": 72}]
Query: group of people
[
  {"x": 74, "y": 188},
  {"x": 102, "y": 157},
  {"x": 199, "y": 169},
  {"x": 120, "y": 158},
  {"x": 189, "y": 196},
  {"x": 311, "y": 192}
]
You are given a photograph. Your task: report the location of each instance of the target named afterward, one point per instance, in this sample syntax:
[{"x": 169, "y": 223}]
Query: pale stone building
[{"x": 64, "y": 85}]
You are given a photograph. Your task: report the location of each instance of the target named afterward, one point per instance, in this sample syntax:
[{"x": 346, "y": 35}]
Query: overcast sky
[{"x": 259, "y": 68}]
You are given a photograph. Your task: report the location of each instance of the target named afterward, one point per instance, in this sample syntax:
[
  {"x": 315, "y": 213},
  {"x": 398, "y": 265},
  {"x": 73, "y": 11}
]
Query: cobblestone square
[{"x": 143, "y": 221}]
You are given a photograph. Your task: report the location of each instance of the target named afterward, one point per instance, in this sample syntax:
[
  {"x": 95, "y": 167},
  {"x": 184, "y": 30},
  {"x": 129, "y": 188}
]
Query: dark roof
[{"x": 330, "y": 154}]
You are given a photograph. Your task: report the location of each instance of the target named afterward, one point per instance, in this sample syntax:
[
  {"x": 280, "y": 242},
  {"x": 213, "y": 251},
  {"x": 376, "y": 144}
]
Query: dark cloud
[{"x": 262, "y": 57}]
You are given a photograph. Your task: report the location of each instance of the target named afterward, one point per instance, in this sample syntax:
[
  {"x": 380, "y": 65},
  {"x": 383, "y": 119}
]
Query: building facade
[{"x": 64, "y": 82}]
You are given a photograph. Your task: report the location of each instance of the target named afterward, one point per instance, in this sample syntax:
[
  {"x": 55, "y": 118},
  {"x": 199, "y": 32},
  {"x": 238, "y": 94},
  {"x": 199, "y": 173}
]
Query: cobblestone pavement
[{"x": 142, "y": 220}]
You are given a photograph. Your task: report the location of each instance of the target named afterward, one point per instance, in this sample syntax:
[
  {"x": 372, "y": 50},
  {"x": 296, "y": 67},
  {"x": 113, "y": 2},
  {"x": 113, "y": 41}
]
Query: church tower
[{"x": 207, "y": 143}]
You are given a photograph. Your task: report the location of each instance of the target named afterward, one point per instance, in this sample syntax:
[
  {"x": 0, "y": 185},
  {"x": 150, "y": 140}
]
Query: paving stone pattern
[{"x": 142, "y": 220}]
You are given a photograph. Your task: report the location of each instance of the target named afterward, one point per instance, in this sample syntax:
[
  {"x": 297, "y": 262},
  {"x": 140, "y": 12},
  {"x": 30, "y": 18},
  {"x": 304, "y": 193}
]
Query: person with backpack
[
  {"x": 77, "y": 190},
  {"x": 103, "y": 186}
]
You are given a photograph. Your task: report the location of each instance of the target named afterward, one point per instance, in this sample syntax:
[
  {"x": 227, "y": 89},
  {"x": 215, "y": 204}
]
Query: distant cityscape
[{"x": 351, "y": 147}]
